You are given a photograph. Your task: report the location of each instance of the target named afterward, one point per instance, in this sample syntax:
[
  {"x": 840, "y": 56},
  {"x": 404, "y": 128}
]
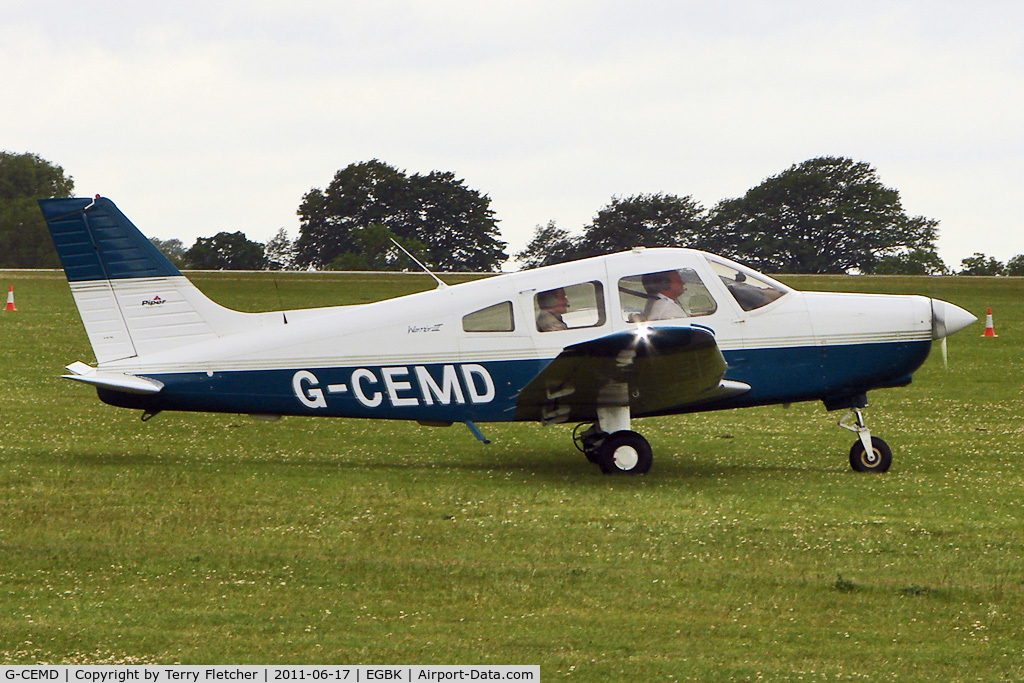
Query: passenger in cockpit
[{"x": 553, "y": 305}]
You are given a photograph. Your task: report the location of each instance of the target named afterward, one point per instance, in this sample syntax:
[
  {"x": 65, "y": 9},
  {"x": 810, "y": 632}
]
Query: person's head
[
  {"x": 667, "y": 282},
  {"x": 554, "y": 301}
]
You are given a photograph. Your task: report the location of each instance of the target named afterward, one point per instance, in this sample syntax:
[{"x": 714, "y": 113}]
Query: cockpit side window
[
  {"x": 750, "y": 291},
  {"x": 570, "y": 307},
  {"x": 664, "y": 295},
  {"x": 496, "y": 318}
]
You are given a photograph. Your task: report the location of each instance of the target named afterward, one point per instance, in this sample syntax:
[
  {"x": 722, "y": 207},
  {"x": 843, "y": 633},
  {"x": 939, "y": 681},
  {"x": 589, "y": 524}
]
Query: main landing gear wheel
[
  {"x": 624, "y": 452},
  {"x": 878, "y": 460}
]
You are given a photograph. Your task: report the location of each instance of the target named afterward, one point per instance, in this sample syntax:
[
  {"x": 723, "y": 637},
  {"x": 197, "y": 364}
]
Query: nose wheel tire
[
  {"x": 625, "y": 452},
  {"x": 878, "y": 460}
]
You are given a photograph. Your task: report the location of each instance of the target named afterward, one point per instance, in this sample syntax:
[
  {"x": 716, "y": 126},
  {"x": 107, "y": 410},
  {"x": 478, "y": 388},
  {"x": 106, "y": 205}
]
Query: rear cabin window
[
  {"x": 750, "y": 291},
  {"x": 664, "y": 295},
  {"x": 570, "y": 307},
  {"x": 496, "y": 318}
]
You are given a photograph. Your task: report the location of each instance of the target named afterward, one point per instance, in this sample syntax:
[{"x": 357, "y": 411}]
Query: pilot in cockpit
[{"x": 664, "y": 288}]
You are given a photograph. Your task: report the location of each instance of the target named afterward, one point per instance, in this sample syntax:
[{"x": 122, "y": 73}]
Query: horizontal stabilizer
[{"x": 116, "y": 381}]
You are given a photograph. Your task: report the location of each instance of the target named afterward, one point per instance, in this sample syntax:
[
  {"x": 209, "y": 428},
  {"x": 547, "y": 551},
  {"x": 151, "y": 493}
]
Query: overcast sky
[{"x": 199, "y": 117}]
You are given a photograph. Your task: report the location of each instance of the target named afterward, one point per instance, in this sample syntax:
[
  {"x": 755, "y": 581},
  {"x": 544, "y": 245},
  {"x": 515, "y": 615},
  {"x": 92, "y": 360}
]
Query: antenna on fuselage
[{"x": 440, "y": 283}]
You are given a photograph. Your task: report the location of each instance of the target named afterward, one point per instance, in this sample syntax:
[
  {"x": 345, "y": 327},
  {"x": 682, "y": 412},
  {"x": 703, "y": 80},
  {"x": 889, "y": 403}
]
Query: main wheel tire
[
  {"x": 625, "y": 452},
  {"x": 878, "y": 460}
]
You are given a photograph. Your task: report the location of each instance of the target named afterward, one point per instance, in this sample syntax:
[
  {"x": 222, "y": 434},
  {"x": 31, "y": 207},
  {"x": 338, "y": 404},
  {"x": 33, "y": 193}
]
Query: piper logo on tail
[
  {"x": 155, "y": 301},
  {"x": 401, "y": 386}
]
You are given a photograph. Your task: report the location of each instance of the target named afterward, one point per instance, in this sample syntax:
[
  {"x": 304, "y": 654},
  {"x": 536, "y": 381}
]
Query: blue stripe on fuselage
[
  {"x": 438, "y": 392},
  {"x": 486, "y": 392},
  {"x": 789, "y": 375}
]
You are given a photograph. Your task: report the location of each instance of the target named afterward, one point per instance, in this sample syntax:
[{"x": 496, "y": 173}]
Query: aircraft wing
[{"x": 652, "y": 370}]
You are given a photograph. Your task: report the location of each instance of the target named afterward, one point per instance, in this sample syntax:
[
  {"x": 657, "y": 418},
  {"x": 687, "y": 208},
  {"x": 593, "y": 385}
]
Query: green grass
[{"x": 751, "y": 551}]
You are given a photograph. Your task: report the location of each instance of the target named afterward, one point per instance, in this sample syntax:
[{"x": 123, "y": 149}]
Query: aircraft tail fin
[{"x": 132, "y": 300}]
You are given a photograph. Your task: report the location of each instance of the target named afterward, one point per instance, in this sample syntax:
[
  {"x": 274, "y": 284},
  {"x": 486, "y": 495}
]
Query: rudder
[{"x": 95, "y": 241}]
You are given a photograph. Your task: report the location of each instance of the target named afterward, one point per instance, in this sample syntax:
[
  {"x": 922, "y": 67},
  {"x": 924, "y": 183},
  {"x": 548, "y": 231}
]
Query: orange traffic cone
[
  {"x": 990, "y": 330},
  {"x": 10, "y": 299}
]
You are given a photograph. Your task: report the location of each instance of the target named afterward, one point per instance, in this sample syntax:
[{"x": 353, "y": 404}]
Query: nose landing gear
[{"x": 868, "y": 453}]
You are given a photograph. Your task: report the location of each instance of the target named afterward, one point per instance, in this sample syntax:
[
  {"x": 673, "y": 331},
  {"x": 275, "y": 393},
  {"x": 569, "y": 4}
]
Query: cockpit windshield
[{"x": 751, "y": 289}]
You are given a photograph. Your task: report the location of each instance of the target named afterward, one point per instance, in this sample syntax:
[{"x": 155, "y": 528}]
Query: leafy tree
[
  {"x": 913, "y": 262},
  {"x": 376, "y": 251},
  {"x": 825, "y": 215},
  {"x": 456, "y": 224},
  {"x": 359, "y": 195},
  {"x": 979, "y": 264},
  {"x": 24, "y": 239},
  {"x": 1015, "y": 266},
  {"x": 226, "y": 251},
  {"x": 173, "y": 249},
  {"x": 550, "y": 244},
  {"x": 453, "y": 222},
  {"x": 648, "y": 220},
  {"x": 280, "y": 251}
]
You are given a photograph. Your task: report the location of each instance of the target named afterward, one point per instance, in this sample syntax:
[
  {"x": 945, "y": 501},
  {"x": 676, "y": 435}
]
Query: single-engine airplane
[{"x": 599, "y": 341}]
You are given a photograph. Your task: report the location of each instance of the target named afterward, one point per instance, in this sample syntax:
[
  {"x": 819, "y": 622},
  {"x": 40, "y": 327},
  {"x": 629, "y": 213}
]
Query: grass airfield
[{"x": 750, "y": 552}]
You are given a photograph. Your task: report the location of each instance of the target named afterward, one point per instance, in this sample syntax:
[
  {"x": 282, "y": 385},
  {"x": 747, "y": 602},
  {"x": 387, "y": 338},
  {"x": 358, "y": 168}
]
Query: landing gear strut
[{"x": 868, "y": 453}]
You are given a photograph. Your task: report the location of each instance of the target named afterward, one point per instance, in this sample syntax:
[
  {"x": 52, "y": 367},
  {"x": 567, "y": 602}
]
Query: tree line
[{"x": 825, "y": 215}]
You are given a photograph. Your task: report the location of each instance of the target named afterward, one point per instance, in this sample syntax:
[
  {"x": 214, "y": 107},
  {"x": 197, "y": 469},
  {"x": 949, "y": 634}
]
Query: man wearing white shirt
[{"x": 665, "y": 288}]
